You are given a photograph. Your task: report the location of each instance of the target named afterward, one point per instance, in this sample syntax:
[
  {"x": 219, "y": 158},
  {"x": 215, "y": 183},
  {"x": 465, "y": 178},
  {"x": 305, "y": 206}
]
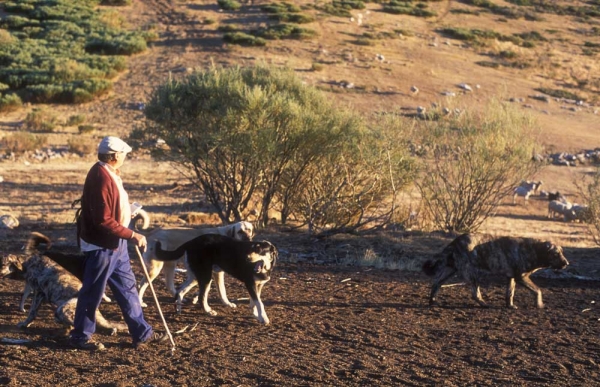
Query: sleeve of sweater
[{"x": 105, "y": 202}]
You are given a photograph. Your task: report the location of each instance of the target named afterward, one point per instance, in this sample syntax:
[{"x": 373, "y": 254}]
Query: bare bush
[
  {"x": 476, "y": 161},
  {"x": 20, "y": 142},
  {"x": 589, "y": 188}
]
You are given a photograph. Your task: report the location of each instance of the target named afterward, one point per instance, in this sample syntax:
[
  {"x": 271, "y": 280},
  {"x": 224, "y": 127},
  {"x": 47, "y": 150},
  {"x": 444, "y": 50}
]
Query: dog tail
[
  {"x": 34, "y": 241},
  {"x": 169, "y": 255}
]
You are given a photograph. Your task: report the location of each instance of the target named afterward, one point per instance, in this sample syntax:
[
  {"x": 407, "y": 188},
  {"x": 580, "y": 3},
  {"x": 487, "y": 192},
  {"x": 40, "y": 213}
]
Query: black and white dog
[
  {"x": 249, "y": 262},
  {"x": 50, "y": 282}
]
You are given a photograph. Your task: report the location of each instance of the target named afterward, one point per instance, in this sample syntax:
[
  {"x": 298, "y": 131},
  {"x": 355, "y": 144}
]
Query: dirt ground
[
  {"x": 335, "y": 320},
  {"x": 330, "y": 325}
]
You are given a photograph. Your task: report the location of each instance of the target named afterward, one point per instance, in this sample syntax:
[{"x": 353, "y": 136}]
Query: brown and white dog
[
  {"x": 473, "y": 255},
  {"x": 50, "y": 282},
  {"x": 172, "y": 238},
  {"x": 249, "y": 262}
]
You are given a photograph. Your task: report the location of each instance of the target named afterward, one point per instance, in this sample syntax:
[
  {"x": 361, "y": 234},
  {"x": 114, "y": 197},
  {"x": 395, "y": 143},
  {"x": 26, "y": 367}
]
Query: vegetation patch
[
  {"x": 410, "y": 8},
  {"x": 284, "y": 31},
  {"x": 63, "y": 51},
  {"x": 341, "y": 8},
  {"x": 526, "y": 39},
  {"x": 558, "y": 93},
  {"x": 244, "y": 39},
  {"x": 20, "y": 142},
  {"x": 229, "y": 5}
]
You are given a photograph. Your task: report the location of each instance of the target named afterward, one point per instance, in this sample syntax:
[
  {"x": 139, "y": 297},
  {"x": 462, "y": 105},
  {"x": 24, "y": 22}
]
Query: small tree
[
  {"x": 235, "y": 131},
  {"x": 475, "y": 161}
]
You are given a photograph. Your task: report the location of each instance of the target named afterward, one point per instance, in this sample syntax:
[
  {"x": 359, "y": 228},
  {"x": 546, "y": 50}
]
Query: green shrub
[
  {"x": 243, "y": 39},
  {"x": 317, "y": 67},
  {"x": 558, "y": 93},
  {"x": 280, "y": 8},
  {"x": 40, "y": 120},
  {"x": 10, "y": 102},
  {"x": 285, "y": 31},
  {"x": 20, "y": 142},
  {"x": 75, "y": 119},
  {"x": 293, "y": 18},
  {"x": 229, "y": 28},
  {"x": 229, "y": 5},
  {"x": 51, "y": 48},
  {"x": 86, "y": 129},
  {"x": 116, "y": 2},
  {"x": 116, "y": 45},
  {"x": 261, "y": 134}
]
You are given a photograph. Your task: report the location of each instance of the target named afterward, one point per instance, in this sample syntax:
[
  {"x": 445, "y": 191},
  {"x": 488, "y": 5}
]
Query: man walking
[{"x": 102, "y": 232}]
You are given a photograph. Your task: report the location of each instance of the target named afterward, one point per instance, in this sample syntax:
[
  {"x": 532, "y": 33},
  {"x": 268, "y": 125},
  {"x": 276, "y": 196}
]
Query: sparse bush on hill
[
  {"x": 259, "y": 134},
  {"x": 558, "y": 93},
  {"x": 40, "y": 120},
  {"x": 20, "y": 142},
  {"x": 229, "y": 5},
  {"x": 76, "y": 119},
  {"x": 475, "y": 161},
  {"x": 243, "y": 39},
  {"x": 408, "y": 8},
  {"x": 589, "y": 188},
  {"x": 82, "y": 146},
  {"x": 285, "y": 31}
]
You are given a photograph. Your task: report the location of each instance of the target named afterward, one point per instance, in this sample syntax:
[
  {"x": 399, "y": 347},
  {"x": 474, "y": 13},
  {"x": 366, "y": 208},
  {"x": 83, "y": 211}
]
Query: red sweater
[{"x": 100, "y": 210}]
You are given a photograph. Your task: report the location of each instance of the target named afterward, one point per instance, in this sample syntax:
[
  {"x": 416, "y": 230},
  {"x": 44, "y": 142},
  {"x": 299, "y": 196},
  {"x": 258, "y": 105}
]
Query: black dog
[{"x": 249, "y": 262}]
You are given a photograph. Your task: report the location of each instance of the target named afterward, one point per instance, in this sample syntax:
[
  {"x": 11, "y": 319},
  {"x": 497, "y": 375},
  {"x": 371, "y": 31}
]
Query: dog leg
[
  {"x": 26, "y": 292},
  {"x": 510, "y": 293},
  {"x": 476, "y": 294},
  {"x": 169, "y": 271},
  {"x": 204, "y": 286},
  {"x": 525, "y": 281},
  {"x": 445, "y": 273},
  {"x": 258, "y": 308},
  {"x": 189, "y": 283},
  {"x": 219, "y": 278},
  {"x": 38, "y": 297},
  {"x": 154, "y": 267}
]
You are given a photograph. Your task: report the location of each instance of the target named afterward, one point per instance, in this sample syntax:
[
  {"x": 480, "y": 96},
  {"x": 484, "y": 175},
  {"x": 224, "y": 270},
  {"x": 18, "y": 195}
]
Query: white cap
[{"x": 112, "y": 144}]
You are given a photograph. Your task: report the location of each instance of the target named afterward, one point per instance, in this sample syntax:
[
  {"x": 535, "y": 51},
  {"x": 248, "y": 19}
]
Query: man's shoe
[
  {"x": 156, "y": 337},
  {"x": 89, "y": 345}
]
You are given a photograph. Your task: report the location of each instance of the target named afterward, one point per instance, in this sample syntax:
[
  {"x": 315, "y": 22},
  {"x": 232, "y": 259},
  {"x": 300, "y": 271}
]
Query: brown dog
[{"x": 473, "y": 255}]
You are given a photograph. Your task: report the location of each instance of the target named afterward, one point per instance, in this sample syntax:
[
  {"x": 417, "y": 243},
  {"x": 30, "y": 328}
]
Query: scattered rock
[{"x": 8, "y": 221}]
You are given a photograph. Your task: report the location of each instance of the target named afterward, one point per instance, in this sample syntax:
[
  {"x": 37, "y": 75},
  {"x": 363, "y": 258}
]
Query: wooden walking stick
[{"x": 155, "y": 298}]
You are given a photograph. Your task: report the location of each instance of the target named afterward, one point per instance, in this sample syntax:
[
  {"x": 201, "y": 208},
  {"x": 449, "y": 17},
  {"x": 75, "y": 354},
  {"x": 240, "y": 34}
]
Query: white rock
[
  {"x": 8, "y": 221},
  {"x": 464, "y": 86}
]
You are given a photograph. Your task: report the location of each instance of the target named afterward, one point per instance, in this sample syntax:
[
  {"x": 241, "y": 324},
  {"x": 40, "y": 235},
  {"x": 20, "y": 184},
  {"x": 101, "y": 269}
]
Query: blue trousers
[{"x": 110, "y": 267}]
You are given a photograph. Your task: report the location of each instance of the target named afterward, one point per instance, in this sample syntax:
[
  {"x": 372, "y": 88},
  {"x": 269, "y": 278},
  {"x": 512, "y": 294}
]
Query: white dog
[{"x": 172, "y": 238}]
